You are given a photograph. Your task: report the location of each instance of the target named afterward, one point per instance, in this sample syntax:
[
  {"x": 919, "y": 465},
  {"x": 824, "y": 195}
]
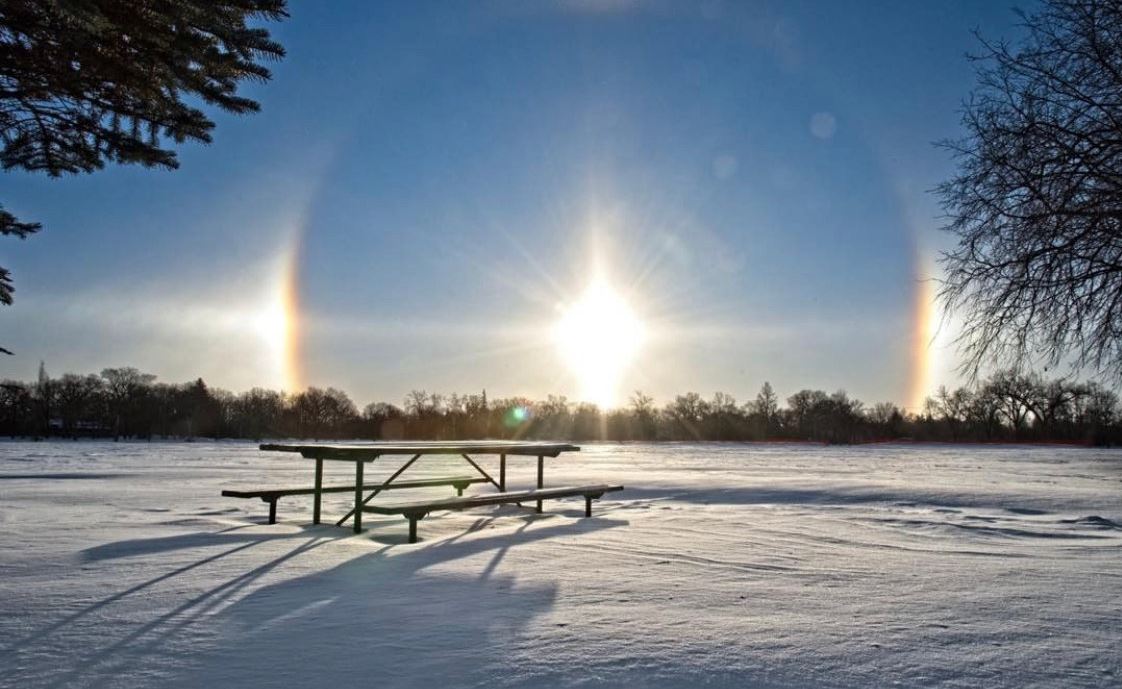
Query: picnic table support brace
[
  {"x": 481, "y": 471},
  {"x": 541, "y": 475},
  {"x": 357, "y": 511},
  {"x": 318, "y": 495},
  {"x": 502, "y": 473},
  {"x": 379, "y": 489}
]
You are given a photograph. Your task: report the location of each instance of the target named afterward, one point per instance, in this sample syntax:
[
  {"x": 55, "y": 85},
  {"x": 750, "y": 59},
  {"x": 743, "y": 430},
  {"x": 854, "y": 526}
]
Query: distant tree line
[{"x": 126, "y": 403}]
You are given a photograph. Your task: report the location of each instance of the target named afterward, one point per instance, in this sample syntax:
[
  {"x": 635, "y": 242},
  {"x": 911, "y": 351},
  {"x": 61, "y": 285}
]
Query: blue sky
[{"x": 445, "y": 177}]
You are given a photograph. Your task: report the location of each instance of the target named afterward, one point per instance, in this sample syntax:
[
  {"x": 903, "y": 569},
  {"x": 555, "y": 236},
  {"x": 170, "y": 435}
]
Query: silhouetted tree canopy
[
  {"x": 1037, "y": 201},
  {"x": 124, "y": 402},
  {"x": 85, "y": 82}
]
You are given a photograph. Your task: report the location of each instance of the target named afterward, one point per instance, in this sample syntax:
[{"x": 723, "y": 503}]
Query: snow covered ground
[{"x": 720, "y": 565}]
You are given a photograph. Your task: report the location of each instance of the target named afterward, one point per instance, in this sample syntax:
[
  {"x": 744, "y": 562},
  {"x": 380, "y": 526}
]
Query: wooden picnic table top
[{"x": 369, "y": 452}]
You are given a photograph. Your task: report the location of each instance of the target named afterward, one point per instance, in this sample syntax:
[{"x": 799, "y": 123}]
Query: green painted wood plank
[
  {"x": 490, "y": 499},
  {"x": 420, "y": 483}
]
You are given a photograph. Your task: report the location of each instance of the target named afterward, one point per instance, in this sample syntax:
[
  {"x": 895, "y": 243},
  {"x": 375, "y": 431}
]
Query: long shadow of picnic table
[
  {"x": 162, "y": 544},
  {"x": 392, "y": 617},
  {"x": 144, "y": 546}
]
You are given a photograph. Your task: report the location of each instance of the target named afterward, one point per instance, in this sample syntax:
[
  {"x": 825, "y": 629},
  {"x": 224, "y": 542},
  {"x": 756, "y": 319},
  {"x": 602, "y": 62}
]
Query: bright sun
[
  {"x": 599, "y": 336},
  {"x": 272, "y": 324}
]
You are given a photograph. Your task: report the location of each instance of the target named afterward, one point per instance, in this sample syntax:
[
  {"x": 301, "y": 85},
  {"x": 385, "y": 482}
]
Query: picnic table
[{"x": 361, "y": 455}]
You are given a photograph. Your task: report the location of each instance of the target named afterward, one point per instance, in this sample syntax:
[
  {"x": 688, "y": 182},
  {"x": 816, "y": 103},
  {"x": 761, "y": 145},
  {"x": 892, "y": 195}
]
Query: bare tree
[
  {"x": 1036, "y": 204},
  {"x": 645, "y": 415},
  {"x": 77, "y": 399},
  {"x": 125, "y": 389},
  {"x": 882, "y": 413},
  {"x": 767, "y": 406}
]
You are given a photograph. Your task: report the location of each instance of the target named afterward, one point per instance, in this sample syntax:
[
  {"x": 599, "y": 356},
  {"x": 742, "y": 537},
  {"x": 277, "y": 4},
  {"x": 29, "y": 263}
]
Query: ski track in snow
[{"x": 721, "y": 565}]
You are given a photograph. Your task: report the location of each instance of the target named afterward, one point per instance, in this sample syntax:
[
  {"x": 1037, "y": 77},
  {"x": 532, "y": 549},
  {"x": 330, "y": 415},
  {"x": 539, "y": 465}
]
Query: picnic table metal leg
[
  {"x": 273, "y": 510},
  {"x": 318, "y": 495},
  {"x": 541, "y": 475},
  {"x": 502, "y": 473},
  {"x": 588, "y": 505},
  {"x": 413, "y": 527},
  {"x": 358, "y": 496},
  {"x": 376, "y": 491}
]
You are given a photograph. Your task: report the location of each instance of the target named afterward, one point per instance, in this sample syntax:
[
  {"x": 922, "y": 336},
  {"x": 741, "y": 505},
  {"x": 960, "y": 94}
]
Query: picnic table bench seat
[
  {"x": 271, "y": 495},
  {"x": 415, "y": 511}
]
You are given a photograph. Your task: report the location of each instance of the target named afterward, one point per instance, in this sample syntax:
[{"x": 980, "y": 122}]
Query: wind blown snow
[{"x": 719, "y": 565}]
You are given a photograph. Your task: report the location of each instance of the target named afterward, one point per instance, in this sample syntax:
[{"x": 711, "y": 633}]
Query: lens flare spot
[{"x": 516, "y": 416}]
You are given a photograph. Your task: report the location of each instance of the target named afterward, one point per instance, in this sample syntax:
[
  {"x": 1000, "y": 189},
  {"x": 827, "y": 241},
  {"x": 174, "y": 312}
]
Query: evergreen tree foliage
[{"x": 89, "y": 82}]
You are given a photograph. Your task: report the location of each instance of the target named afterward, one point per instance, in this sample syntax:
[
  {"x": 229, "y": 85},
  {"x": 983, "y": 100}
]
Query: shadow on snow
[{"x": 390, "y": 616}]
